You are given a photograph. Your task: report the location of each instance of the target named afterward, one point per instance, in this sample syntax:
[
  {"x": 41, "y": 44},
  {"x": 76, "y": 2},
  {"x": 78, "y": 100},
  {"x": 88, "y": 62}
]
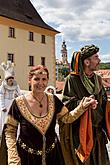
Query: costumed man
[
  {"x": 84, "y": 141},
  {"x": 9, "y": 90}
]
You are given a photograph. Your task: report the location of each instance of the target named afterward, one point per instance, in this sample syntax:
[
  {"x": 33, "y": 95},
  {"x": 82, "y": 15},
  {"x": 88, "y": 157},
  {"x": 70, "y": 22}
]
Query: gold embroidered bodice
[{"x": 41, "y": 123}]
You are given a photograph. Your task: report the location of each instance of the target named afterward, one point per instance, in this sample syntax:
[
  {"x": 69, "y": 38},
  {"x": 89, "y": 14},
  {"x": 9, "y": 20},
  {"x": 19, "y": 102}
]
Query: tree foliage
[
  {"x": 65, "y": 71},
  {"x": 104, "y": 66}
]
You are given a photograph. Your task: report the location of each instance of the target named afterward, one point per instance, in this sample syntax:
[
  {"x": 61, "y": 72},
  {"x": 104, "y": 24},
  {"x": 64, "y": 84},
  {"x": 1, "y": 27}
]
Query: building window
[
  {"x": 11, "y": 32},
  {"x": 31, "y": 36},
  {"x": 10, "y": 57},
  {"x": 43, "y": 61},
  {"x": 31, "y": 60},
  {"x": 43, "y": 39}
]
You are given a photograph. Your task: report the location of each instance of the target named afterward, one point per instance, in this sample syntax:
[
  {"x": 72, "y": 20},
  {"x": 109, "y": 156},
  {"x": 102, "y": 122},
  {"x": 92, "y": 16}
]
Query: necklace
[{"x": 39, "y": 101}]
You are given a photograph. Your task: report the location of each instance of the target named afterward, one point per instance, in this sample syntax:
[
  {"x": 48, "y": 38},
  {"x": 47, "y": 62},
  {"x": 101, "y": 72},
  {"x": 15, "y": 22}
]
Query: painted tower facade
[{"x": 62, "y": 66}]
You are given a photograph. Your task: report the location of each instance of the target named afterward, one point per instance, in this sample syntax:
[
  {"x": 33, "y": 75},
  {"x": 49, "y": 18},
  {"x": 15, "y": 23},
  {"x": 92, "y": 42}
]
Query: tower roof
[{"x": 23, "y": 11}]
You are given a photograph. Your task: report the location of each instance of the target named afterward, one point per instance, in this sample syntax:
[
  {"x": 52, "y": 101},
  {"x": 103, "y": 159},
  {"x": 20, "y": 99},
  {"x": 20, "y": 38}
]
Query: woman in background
[
  {"x": 9, "y": 90},
  {"x": 50, "y": 89}
]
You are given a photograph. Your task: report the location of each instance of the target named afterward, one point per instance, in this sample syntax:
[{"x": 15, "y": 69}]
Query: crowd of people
[{"x": 83, "y": 116}]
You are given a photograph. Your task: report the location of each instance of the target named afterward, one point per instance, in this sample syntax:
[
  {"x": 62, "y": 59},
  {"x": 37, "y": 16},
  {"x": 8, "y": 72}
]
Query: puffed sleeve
[{"x": 11, "y": 134}]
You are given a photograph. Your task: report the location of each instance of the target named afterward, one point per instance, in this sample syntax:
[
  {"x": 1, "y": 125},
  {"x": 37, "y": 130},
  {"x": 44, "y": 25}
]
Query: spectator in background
[
  {"x": 50, "y": 89},
  {"x": 9, "y": 90}
]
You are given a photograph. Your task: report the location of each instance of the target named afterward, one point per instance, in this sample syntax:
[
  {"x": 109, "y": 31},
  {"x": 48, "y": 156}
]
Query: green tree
[
  {"x": 104, "y": 66},
  {"x": 65, "y": 71}
]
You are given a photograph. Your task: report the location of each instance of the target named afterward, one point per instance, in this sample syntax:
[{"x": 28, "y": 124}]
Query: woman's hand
[{"x": 89, "y": 102}]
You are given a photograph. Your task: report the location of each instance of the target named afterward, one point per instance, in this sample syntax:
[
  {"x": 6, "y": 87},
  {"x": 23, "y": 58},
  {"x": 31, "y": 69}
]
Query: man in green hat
[{"x": 84, "y": 141}]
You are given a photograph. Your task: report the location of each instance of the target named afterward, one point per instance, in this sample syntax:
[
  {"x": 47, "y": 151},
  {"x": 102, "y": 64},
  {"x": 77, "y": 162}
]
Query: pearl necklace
[{"x": 39, "y": 101}]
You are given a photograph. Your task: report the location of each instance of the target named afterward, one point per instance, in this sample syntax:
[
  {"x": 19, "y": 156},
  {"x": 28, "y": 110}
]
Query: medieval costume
[
  {"x": 38, "y": 142},
  {"x": 84, "y": 141},
  {"x": 7, "y": 92}
]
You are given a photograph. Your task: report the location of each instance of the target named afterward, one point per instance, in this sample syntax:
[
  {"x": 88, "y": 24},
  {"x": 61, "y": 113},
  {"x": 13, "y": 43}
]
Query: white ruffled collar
[{"x": 13, "y": 87}]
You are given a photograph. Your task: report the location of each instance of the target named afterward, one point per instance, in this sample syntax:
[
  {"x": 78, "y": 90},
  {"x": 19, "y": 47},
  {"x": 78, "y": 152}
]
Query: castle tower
[
  {"x": 62, "y": 66},
  {"x": 64, "y": 53}
]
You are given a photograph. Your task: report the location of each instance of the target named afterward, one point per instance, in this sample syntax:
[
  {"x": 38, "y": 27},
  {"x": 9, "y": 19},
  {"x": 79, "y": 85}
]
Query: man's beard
[{"x": 98, "y": 67}]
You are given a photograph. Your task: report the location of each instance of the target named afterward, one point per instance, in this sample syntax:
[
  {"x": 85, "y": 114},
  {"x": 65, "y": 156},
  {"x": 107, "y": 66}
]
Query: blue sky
[{"x": 80, "y": 22}]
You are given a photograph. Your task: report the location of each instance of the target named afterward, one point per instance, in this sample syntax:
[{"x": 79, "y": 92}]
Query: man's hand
[
  {"x": 89, "y": 102},
  {"x": 93, "y": 104}
]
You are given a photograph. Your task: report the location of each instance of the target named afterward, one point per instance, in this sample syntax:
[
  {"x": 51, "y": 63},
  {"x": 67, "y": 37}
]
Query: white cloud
[
  {"x": 78, "y": 21},
  {"x": 105, "y": 57}
]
